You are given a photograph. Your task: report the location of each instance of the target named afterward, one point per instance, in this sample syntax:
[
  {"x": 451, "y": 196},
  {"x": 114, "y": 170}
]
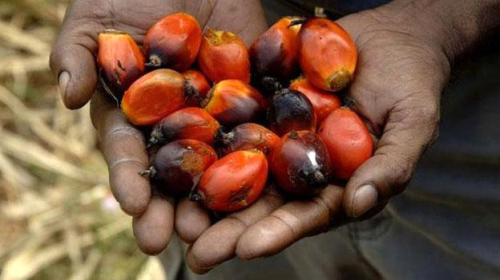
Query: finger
[
  {"x": 72, "y": 60},
  {"x": 237, "y": 18},
  {"x": 218, "y": 243},
  {"x": 191, "y": 220},
  {"x": 411, "y": 127},
  {"x": 290, "y": 223},
  {"x": 154, "y": 228},
  {"x": 124, "y": 149}
]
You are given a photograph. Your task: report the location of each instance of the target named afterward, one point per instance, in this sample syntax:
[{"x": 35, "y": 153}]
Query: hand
[
  {"x": 401, "y": 73},
  {"x": 73, "y": 62}
]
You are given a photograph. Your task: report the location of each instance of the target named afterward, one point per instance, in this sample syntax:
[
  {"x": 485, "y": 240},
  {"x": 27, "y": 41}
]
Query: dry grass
[{"x": 58, "y": 219}]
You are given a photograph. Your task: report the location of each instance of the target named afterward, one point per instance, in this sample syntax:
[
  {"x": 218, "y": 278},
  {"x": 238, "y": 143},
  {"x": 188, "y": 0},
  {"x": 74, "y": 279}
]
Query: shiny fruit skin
[
  {"x": 234, "y": 181},
  {"x": 187, "y": 123},
  {"x": 199, "y": 82},
  {"x": 275, "y": 52},
  {"x": 327, "y": 54},
  {"x": 323, "y": 102},
  {"x": 173, "y": 42},
  {"x": 178, "y": 165},
  {"x": 248, "y": 136},
  {"x": 154, "y": 96},
  {"x": 233, "y": 102},
  {"x": 291, "y": 110},
  {"x": 348, "y": 141},
  {"x": 223, "y": 56},
  {"x": 120, "y": 60},
  {"x": 300, "y": 164}
]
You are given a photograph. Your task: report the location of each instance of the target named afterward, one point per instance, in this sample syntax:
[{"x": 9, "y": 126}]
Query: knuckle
[
  {"x": 396, "y": 172},
  {"x": 401, "y": 172},
  {"x": 235, "y": 220},
  {"x": 327, "y": 215},
  {"x": 294, "y": 233}
]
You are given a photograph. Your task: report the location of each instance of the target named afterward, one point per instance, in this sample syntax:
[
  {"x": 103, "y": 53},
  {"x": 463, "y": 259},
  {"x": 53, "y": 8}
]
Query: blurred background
[{"x": 58, "y": 219}]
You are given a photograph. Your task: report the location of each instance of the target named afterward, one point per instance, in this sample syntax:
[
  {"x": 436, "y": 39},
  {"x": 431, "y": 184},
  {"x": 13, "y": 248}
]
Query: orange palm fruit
[
  {"x": 187, "y": 123},
  {"x": 348, "y": 141},
  {"x": 327, "y": 54},
  {"x": 323, "y": 102},
  {"x": 223, "y": 56},
  {"x": 200, "y": 83},
  {"x": 300, "y": 164},
  {"x": 274, "y": 53},
  {"x": 247, "y": 136},
  {"x": 173, "y": 42},
  {"x": 120, "y": 60},
  {"x": 154, "y": 96},
  {"x": 233, "y": 102},
  {"x": 233, "y": 182},
  {"x": 291, "y": 110},
  {"x": 177, "y": 166}
]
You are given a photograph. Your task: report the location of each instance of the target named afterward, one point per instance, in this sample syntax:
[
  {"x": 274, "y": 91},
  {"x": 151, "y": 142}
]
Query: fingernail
[
  {"x": 365, "y": 199},
  {"x": 63, "y": 83}
]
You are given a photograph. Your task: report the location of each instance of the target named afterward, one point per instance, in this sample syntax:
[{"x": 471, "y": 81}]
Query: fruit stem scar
[
  {"x": 155, "y": 138},
  {"x": 339, "y": 79},
  {"x": 271, "y": 84},
  {"x": 293, "y": 135},
  {"x": 349, "y": 102},
  {"x": 195, "y": 196},
  {"x": 297, "y": 22},
  {"x": 154, "y": 61},
  {"x": 150, "y": 172}
]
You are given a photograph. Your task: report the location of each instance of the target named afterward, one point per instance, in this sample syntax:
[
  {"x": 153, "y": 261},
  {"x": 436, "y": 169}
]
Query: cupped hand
[
  {"x": 401, "y": 72},
  {"x": 73, "y": 55},
  {"x": 73, "y": 62}
]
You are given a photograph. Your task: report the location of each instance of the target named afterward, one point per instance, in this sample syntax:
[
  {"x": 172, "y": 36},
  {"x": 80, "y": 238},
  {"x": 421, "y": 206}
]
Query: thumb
[
  {"x": 72, "y": 61},
  {"x": 410, "y": 129}
]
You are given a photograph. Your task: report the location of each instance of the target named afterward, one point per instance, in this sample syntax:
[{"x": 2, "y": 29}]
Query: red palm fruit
[
  {"x": 291, "y": 110},
  {"x": 348, "y": 141},
  {"x": 199, "y": 82},
  {"x": 188, "y": 123},
  {"x": 233, "y": 182},
  {"x": 323, "y": 102},
  {"x": 154, "y": 96},
  {"x": 234, "y": 102},
  {"x": 300, "y": 164},
  {"x": 223, "y": 56},
  {"x": 274, "y": 53},
  {"x": 248, "y": 136},
  {"x": 119, "y": 59},
  {"x": 177, "y": 166},
  {"x": 327, "y": 54},
  {"x": 173, "y": 42}
]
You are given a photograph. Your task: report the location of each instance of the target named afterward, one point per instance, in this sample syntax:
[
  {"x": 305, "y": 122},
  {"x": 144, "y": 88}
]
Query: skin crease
[{"x": 397, "y": 94}]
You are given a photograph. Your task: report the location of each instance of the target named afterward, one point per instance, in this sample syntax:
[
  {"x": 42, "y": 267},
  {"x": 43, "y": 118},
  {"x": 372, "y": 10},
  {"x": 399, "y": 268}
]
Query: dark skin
[{"x": 404, "y": 63}]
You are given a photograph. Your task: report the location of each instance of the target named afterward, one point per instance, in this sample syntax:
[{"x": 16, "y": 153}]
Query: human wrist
[{"x": 454, "y": 26}]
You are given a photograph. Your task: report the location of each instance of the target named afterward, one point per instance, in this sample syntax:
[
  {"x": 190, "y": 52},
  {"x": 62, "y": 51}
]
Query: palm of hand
[{"x": 397, "y": 88}]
